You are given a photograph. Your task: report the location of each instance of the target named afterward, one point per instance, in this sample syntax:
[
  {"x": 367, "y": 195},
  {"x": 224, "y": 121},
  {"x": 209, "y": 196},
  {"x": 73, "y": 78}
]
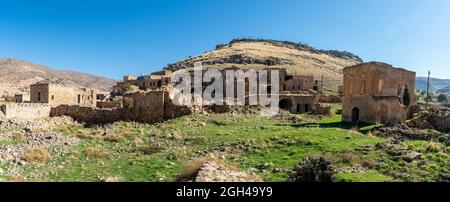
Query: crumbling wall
[
  {"x": 109, "y": 104},
  {"x": 88, "y": 114},
  {"x": 145, "y": 107},
  {"x": 330, "y": 99},
  {"x": 25, "y": 110}
]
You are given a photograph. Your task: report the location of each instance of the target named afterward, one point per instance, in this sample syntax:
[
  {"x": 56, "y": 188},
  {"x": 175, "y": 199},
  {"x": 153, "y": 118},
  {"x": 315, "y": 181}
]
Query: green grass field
[{"x": 159, "y": 152}]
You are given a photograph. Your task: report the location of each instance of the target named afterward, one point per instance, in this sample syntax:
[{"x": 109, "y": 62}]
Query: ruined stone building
[
  {"x": 54, "y": 95},
  {"x": 298, "y": 93},
  {"x": 21, "y": 98},
  {"x": 376, "y": 92},
  {"x": 299, "y": 83},
  {"x": 154, "y": 81}
]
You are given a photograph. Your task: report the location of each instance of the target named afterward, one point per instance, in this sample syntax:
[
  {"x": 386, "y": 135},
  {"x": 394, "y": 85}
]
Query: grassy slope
[{"x": 255, "y": 141}]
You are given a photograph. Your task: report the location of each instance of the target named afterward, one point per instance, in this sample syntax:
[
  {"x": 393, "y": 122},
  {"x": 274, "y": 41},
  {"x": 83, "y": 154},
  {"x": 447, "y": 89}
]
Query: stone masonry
[
  {"x": 24, "y": 110},
  {"x": 376, "y": 92},
  {"x": 55, "y": 95}
]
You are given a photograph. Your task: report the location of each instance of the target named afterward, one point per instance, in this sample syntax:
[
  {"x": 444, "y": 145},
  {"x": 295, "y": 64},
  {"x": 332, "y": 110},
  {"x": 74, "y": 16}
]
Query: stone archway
[
  {"x": 355, "y": 114},
  {"x": 285, "y": 104}
]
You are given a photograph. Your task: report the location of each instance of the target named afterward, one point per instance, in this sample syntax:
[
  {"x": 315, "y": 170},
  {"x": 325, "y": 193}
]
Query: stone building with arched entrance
[{"x": 376, "y": 92}]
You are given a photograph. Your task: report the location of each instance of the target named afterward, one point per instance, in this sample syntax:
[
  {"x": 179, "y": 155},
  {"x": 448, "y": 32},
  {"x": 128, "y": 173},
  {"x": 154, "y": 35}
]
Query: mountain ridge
[
  {"x": 436, "y": 85},
  {"x": 16, "y": 75}
]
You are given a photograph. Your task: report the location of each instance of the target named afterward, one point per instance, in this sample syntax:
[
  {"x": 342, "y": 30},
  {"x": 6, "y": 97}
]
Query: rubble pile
[{"x": 437, "y": 119}]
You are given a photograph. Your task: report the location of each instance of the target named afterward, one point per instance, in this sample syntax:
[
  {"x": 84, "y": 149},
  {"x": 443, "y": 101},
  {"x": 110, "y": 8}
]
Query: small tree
[
  {"x": 442, "y": 98},
  {"x": 406, "y": 97},
  {"x": 423, "y": 93}
]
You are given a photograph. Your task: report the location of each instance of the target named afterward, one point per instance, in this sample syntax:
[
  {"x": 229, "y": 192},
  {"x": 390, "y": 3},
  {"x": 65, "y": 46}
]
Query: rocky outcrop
[
  {"x": 398, "y": 152},
  {"x": 403, "y": 132}
]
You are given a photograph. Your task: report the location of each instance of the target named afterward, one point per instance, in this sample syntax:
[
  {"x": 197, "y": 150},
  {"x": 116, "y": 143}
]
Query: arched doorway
[
  {"x": 285, "y": 104},
  {"x": 355, "y": 114}
]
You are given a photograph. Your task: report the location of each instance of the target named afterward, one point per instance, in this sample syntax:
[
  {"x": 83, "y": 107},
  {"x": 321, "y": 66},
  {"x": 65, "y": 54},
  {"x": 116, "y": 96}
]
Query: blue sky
[{"x": 115, "y": 38}]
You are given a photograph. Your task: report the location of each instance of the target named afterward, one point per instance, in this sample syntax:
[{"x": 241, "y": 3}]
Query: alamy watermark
[{"x": 226, "y": 87}]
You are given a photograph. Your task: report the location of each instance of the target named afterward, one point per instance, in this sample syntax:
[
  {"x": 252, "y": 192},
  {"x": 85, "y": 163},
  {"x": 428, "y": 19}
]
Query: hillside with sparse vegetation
[{"x": 297, "y": 58}]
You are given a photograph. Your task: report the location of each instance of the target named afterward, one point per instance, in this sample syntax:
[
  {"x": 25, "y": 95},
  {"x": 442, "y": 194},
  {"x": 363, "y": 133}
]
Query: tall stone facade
[
  {"x": 376, "y": 92},
  {"x": 55, "y": 95}
]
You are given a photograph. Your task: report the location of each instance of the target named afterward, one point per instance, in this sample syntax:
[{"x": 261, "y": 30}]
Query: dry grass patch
[
  {"x": 191, "y": 170},
  {"x": 37, "y": 155},
  {"x": 114, "y": 138},
  {"x": 198, "y": 139},
  {"x": 19, "y": 137},
  {"x": 95, "y": 153},
  {"x": 350, "y": 157},
  {"x": 16, "y": 178},
  {"x": 174, "y": 136},
  {"x": 149, "y": 149}
]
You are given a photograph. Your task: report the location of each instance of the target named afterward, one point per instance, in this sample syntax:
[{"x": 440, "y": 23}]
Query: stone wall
[
  {"x": 330, "y": 99},
  {"x": 145, "y": 107},
  {"x": 88, "y": 114},
  {"x": 109, "y": 104},
  {"x": 25, "y": 110}
]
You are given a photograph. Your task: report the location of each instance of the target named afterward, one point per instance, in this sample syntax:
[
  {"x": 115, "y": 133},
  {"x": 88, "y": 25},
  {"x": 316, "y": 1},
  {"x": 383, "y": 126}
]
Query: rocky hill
[
  {"x": 17, "y": 75},
  {"x": 436, "y": 85},
  {"x": 297, "y": 58}
]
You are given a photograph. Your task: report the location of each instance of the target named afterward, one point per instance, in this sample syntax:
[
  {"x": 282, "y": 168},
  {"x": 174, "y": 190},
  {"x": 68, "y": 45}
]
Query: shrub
[
  {"x": 442, "y": 98},
  {"x": 37, "y": 155},
  {"x": 406, "y": 97},
  {"x": 313, "y": 169}
]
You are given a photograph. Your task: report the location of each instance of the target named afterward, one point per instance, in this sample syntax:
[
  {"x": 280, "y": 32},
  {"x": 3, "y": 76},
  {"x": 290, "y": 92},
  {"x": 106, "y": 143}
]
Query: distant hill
[
  {"x": 297, "y": 58},
  {"x": 436, "y": 85},
  {"x": 17, "y": 75}
]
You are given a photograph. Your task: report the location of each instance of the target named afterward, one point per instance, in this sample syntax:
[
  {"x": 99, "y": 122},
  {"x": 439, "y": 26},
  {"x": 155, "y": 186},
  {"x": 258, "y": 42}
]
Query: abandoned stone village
[
  {"x": 88, "y": 125},
  {"x": 373, "y": 92}
]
